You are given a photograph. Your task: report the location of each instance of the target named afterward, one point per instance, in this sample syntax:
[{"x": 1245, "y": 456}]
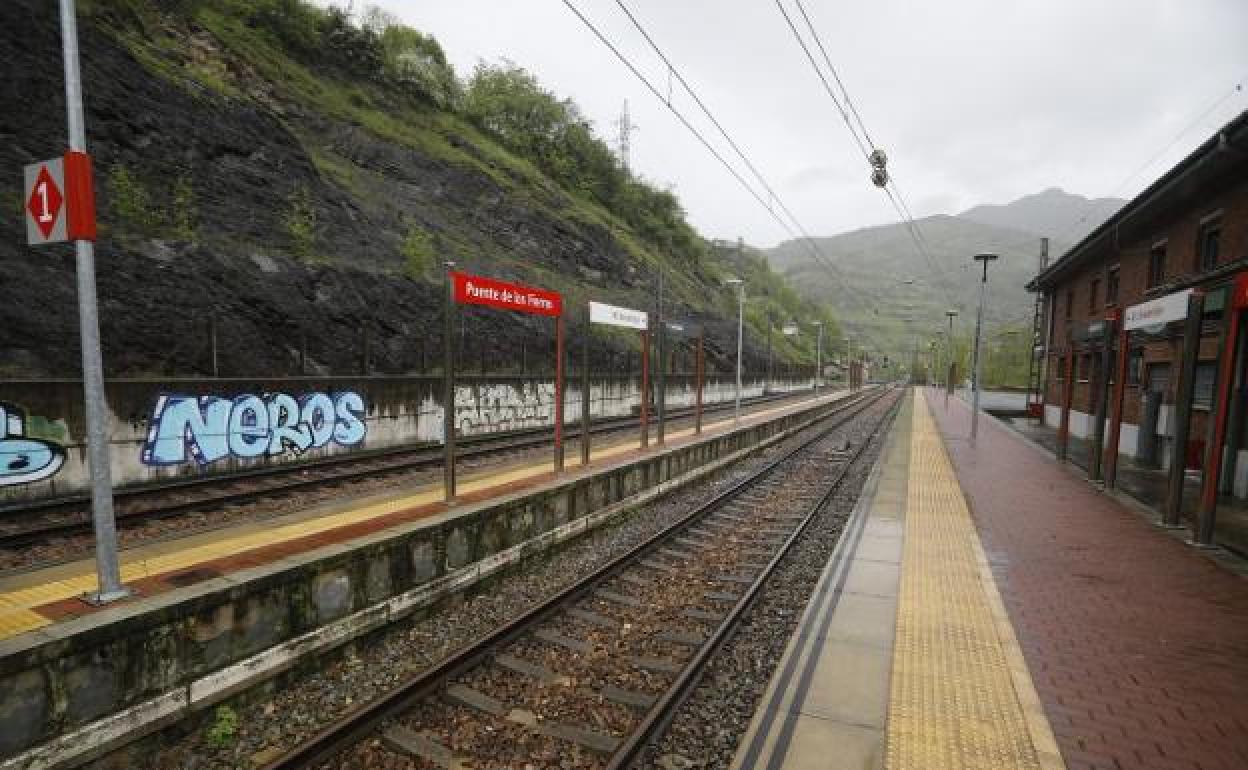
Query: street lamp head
[
  {"x": 951, "y": 313},
  {"x": 730, "y": 281},
  {"x": 986, "y": 257}
]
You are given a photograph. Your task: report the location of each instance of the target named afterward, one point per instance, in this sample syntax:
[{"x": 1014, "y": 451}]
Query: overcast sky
[{"x": 975, "y": 101}]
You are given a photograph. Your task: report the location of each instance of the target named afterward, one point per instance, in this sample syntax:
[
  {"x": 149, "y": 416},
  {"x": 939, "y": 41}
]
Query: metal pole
[
  {"x": 1206, "y": 514},
  {"x": 662, "y": 378},
  {"x": 1115, "y": 422},
  {"x": 645, "y": 388},
  {"x": 1173, "y": 508},
  {"x": 585, "y": 403},
  {"x": 1101, "y": 404},
  {"x": 978, "y": 363},
  {"x": 559, "y": 356},
  {"x": 448, "y": 391},
  {"x": 819, "y": 359},
  {"x": 212, "y": 343},
  {"x": 698, "y": 366},
  {"x": 767, "y": 382},
  {"x": 949, "y": 369},
  {"x": 108, "y": 570},
  {"x": 736, "y": 409}
]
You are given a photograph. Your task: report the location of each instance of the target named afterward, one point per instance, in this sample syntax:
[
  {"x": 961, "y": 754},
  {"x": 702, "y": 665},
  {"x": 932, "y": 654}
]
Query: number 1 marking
[{"x": 42, "y": 191}]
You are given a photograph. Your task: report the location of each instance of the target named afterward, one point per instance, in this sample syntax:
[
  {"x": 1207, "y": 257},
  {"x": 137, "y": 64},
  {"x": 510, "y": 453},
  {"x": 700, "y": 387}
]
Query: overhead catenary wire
[
  {"x": 805, "y": 239},
  {"x": 864, "y": 143}
]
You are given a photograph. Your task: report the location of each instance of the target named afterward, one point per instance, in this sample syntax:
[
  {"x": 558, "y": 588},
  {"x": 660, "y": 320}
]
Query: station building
[{"x": 1128, "y": 284}]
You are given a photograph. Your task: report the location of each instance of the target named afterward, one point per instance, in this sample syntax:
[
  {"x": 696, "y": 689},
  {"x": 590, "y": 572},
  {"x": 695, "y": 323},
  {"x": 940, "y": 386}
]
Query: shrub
[
  {"x": 131, "y": 202},
  {"x": 224, "y": 727},
  {"x": 419, "y": 254},
  {"x": 182, "y": 215},
  {"x": 300, "y": 222}
]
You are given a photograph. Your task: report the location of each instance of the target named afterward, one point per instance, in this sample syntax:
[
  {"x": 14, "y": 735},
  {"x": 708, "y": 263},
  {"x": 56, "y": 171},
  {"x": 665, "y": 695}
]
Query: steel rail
[
  {"x": 660, "y": 716},
  {"x": 358, "y": 724}
]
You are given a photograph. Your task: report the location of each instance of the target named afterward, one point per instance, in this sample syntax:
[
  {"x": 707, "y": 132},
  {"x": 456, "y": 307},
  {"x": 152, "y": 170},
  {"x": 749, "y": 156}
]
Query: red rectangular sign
[{"x": 475, "y": 290}]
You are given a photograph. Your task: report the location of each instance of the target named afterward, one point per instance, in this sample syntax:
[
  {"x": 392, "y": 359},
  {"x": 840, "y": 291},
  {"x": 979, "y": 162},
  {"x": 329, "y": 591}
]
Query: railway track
[
  {"x": 592, "y": 675},
  {"x": 21, "y": 525}
]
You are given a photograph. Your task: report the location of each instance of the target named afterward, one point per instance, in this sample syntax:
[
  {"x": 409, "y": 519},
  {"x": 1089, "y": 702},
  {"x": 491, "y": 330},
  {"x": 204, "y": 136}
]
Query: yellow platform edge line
[
  {"x": 16, "y": 605},
  {"x": 961, "y": 693}
]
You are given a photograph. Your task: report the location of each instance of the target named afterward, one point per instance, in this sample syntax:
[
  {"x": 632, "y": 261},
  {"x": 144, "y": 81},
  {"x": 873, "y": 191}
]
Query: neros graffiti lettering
[
  {"x": 24, "y": 459},
  {"x": 210, "y": 428}
]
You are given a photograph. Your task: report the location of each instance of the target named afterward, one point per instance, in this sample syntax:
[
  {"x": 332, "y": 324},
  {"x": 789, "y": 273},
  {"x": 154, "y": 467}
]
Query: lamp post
[
  {"x": 977, "y": 363},
  {"x": 740, "y": 284},
  {"x": 950, "y": 314},
  {"x": 818, "y": 355}
]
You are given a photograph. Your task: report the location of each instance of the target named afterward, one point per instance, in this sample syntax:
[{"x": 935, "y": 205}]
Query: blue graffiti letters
[
  {"x": 210, "y": 428},
  {"x": 22, "y": 459}
]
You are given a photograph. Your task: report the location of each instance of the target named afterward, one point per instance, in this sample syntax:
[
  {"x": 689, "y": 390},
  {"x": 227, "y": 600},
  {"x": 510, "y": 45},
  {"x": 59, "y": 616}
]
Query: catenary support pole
[
  {"x": 645, "y": 388},
  {"x": 699, "y": 364},
  {"x": 108, "y": 570},
  {"x": 1172, "y": 510},
  {"x": 585, "y": 400},
  {"x": 736, "y": 409},
  {"x": 660, "y": 434},
  {"x": 1207, "y": 513},
  {"x": 448, "y": 390},
  {"x": 559, "y": 366}
]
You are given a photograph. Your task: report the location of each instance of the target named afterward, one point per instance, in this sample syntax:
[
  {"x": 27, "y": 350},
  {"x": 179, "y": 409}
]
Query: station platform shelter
[{"x": 988, "y": 608}]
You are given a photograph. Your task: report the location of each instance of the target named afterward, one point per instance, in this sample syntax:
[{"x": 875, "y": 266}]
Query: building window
[
  {"x": 1111, "y": 286},
  {"x": 1094, "y": 289},
  {"x": 1207, "y": 243},
  {"x": 1157, "y": 264},
  {"x": 1070, "y": 303},
  {"x": 1202, "y": 385},
  {"x": 1135, "y": 366},
  {"x": 1084, "y": 368}
]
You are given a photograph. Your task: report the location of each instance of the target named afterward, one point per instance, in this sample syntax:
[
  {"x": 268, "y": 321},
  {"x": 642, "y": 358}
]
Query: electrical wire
[{"x": 805, "y": 238}]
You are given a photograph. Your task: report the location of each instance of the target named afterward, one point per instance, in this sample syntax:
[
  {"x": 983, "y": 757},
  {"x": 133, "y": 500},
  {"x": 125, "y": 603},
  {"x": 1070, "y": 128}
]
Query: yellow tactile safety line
[
  {"x": 16, "y": 603},
  {"x": 961, "y": 695}
]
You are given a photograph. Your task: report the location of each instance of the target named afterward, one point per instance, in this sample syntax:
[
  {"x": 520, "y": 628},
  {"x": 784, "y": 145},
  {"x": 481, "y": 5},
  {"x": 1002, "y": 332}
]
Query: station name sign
[
  {"x": 1172, "y": 307},
  {"x": 476, "y": 290},
  {"x": 611, "y": 315}
]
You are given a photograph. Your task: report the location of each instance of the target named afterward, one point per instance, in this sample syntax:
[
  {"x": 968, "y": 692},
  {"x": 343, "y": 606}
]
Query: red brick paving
[{"x": 1138, "y": 645}]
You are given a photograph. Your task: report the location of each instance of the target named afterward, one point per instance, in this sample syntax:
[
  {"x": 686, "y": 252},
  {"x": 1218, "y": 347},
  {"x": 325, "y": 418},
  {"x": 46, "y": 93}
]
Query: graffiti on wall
[
  {"x": 502, "y": 406},
  {"x": 23, "y": 457},
  {"x": 210, "y": 428}
]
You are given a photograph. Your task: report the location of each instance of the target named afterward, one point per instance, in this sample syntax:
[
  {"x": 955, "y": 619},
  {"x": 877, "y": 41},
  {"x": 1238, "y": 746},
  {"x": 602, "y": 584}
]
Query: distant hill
[
  {"x": 867, "y": 288},
  {"x": 1053, "y": 212}
]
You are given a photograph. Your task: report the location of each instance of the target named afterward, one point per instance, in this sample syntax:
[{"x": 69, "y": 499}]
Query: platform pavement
[
  {"x": 904, "y": 658},
  {"x": 1138, "y": 645},
  {"x": 37, "y": 598}
]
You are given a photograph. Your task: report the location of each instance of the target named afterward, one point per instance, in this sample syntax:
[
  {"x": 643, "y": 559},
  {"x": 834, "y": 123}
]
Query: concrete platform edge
[{"x": 763, "y": 745}]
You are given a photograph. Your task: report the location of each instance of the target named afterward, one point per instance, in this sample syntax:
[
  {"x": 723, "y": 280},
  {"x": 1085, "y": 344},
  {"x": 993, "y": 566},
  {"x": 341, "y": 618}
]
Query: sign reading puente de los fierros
[{"x": 476, "y": 290}]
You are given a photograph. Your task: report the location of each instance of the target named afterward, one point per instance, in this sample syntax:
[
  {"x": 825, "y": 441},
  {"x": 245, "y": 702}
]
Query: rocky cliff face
[{"x": 226, "y": 203}]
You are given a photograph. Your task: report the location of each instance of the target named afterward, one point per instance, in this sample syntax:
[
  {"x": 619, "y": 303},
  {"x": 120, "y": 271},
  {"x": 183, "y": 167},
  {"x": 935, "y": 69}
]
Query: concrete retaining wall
[
  {"x": 83, "y": 686},
  {"x": 163, "y": 429}
]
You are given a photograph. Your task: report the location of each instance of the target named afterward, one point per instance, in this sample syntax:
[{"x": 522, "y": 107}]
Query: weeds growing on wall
[
  {"x": 419, "y": 255},
  {"x": 300, "y": 223}
]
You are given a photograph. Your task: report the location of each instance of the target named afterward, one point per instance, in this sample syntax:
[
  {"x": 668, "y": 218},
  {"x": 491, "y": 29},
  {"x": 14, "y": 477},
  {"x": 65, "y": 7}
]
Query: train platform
[
  {"x": 1146, "y": 486},
  {"x": 34, "y": 600},
  {"x": 987, "y": 608}
]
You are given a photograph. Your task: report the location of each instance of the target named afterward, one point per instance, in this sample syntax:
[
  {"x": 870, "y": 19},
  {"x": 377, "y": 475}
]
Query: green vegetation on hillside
[{"x": 396, "y": 83}]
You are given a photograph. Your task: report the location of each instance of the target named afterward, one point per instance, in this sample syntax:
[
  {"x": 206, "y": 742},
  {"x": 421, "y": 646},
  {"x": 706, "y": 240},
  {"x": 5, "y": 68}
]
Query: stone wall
[{"x": 165, "y": 429}]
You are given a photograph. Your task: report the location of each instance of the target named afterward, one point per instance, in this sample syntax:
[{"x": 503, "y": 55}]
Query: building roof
[{"x": 1214, "y": 160}]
